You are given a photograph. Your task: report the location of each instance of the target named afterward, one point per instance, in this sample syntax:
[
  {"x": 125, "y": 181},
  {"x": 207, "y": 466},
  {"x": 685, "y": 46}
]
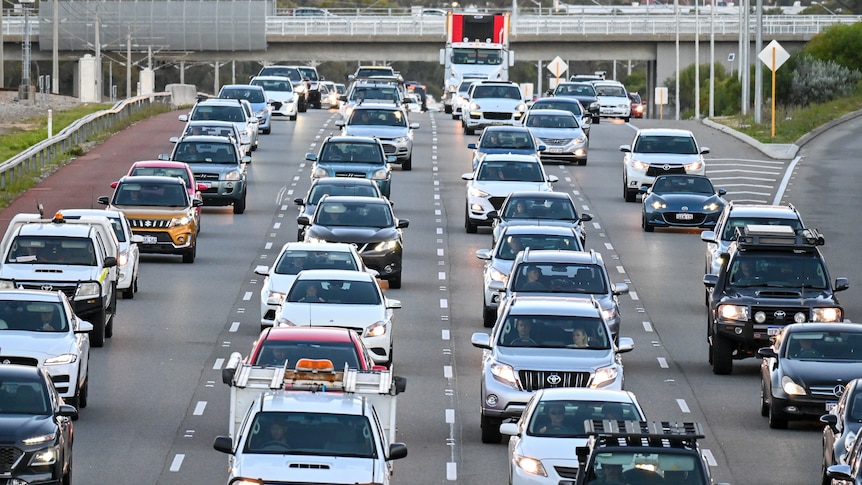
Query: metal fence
[{"x": 34, "y": 159}]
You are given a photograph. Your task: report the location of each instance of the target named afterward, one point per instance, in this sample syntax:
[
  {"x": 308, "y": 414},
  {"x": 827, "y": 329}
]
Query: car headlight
[
  {"x": 609, "y": 313},
  {"x": 262, "y": 113},
  {"x": 274, "y": 297},
  {"x": 657, "y": 204},
  {"x": 476, "y": 192},
  {"x": 88, "y": 290},
  {"x": 580, "y": 140},
  {"x": 299, "y": 88},
  {"x": 401, "y": 139},
  {"x": 694, "y": 166},
  {"x": 738, "y": 313},
  {"x": 497, "y": 275},
  {"x": 61, "y": 359},
  {"x": 712, "y": 207},
  {"x": 504, "y": 373},
  {"x": 829, "y": 314},
  {"x": 7, "y": 285},
  {"x": 36, "y": 440},
  {"x": 233, "y": 175},
  {"x": 380, "y": 174},
  {"x": 123, "y": 258},
  {"x": 347, "y": 111},
  {"x": 594, "y": 106},
  {"x": 639, "y": 165},
  {"x": 386, "y": 245},
  {"x": 474, "y": 106},
  {"x": 179, "y": 221},
  {"x": 605, "y": 375},
  {"x": 376, "y": 329},
  {"x": 791, "y": 388},
  {"x": 318, "y": 173},
  {"x": 521, "y": 107},
  {"x": 530, "y": 465},
  {"x": 47, "y": 456}
]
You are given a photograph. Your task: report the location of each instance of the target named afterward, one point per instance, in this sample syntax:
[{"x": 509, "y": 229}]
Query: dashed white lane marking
[
  {"x": 621, "y": 270},
  {"x": 438, "y": 212},
  {"x": 247, "y": 296},
  {"x": 177, "y": 462},
  {"x": 647, "y": 326},
  {"x": 296, "y": 177},
  {"x": 445, "y": 334},
  {"x": 609, "y": 246},
  {"x": 200, "y": 407},
  {"x": 450, "y": 416},
  {"x": 217, "y": 365},
  {"x": 683, "y": 406},
  {"x": 634, "y": 295},
  {"x": 439, "y": 251},
  {"x": 710, "y": 458},
  {"x": 277, "y": 225},
  {"x": 234, "y": 326},
  {"x": 662, "y": 362},
  {"x": 267, "y": 245},
  {"x": 447, "y": 371},
  {"x": 441, "y": 275},
  {"x": 451, "y": 471},
  {"x": 444, "y": 303},
  {"x": 596, "y": 225},
  {"x": 439, "y": 230}
]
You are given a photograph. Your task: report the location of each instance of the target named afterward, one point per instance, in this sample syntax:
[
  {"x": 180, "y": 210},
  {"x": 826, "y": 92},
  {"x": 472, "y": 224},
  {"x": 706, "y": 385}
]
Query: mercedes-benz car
[
  {"x": 279, "y": 95},
  {"x": 843, "y": 423},
  {"x": 572, "y": 105},
  {"x": 659, "y": 151}
]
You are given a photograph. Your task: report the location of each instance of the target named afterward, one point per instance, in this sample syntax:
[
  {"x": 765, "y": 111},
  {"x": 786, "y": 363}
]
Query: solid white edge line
[{"x": 779, "y": 194}]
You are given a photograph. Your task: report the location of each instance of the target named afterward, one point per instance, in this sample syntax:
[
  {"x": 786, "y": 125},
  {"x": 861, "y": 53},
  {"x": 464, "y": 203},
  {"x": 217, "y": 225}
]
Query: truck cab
[{"x": 308, "y": 423}]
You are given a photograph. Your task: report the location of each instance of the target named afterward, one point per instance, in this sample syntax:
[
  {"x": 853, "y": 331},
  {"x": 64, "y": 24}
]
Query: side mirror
[
  {"x": 710, "y": 280},
  {"x": 393, "y": 303},
  {"x": 245, "y": 159},
  {"x": 397, "y": 451},
  {"x": 402, "y": 223},
  {"x": 303, "y": 220},
  {"x": 183, "y": 118},
  {"x": 110, "y": 262},
  {"x": 299, "y": 201},
  {"x": 627, "y": 344},
  {"x": 164, "y": 157},
  {"x": 202, "y": 186},
  {"x": 553, "y": 178},
  {"x": 841, "y": 284},
  {"x": 197, "y": 203},
  {"x": 174, "y": 139},
  {"x": 339, "y": 123},
  {"x": 261, "y": 270},
  {"x": 471, "y": 146},
  {"x": 414, "y": 126},
  {"x": 481, "y": 340},
  {"x": 830, "y": 420},
  {"x": 541, "y": 148},
  {"x": 708, "y": 236},
  {"x": 704, "y": 150},
  {"x": 114, "y": 185},
  {"x": 767, "y": 353},
  {"x": 626, "y": 148},
  {"x": 586, "y": 217},
  {"x": 311, "y": 157},
  {"x": 484, "y": 254},
  {"x": 223, "y": 444},
  {"x": 643, "y": 189},
  {"x": 619, "y": 288},
  {"x": 509, "y": 429},
  {"x": 493, "y": 215},
  {"x": 104, "y": 200},
  {"x": 721, "y": 192},
  {"x": 467, "y": 176}
]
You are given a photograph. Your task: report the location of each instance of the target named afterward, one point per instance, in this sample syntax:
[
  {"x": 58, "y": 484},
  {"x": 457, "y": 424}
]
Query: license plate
[
  {"x": 831, "y": 405},
  {"x": 773, "y": 330},
  {"x": 684, "y": 217},
  {"x": 151, "y": 240},
  {"x": 555, "y": 150}
]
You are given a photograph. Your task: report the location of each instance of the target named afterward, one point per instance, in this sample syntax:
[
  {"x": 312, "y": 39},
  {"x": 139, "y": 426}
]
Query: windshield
[
  {"x": 152, "y": 194},
  {"x": 682, "y": 145},
  {"x": 318, "y": 434},
  {"x": 277, "y": 352},
  {"x": 682, "y": 184},
  {"x": 463, "y": 55},
  {"x": 23, "y": 397},
  {"x": 32, "y": 316},
  {"x": 551, "y": 121},
  {"x": 574, "y": 108},
  {"x": 520, "y": 140},
  {"x": 787, "y": 270},
  {"x": 565, "y": 419},
  {"x": 293, "y": 261},
  {"x": 627, "y": 467},
  {"x": 273, "y": 85},
  {"x": 206, "y": 152},
  {"x": 496, "y": 91},
  {"x": 836, "y": 345},
  {"x": 375, "y": 71},
  {"x": 511, "y": 245},
  {"x": 76, "y": 251},
  {"x": 352, "y": 190},
  {"x": 334, "y": 292},
  {"x": 351, "y": 152},
  {"x": 575, "y": 90},
  {"x": 309, "y": 73},
  {"x": 379, "y": 93},
  {"x": 532, "y": 208},
  {"x": 355, "y": 214},
  {"x": 548, "y": 331},
  {"x": 559, "y": 278},
  {"x": 618, "y": 91},
  {"x": 379, "y": 117},
  {"x": 511, "y": 172},
  {"x": 228, "y": 131},
  {"x": 252, "y": 95},
  {"x": 291, "y": 73}
]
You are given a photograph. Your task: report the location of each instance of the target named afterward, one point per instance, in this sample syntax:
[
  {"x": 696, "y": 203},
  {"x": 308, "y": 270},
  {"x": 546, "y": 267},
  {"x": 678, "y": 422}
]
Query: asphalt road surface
[{"x": 156, "y": 397}]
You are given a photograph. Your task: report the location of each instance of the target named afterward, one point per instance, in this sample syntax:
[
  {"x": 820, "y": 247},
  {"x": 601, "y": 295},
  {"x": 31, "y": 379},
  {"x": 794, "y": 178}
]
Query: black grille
[
  {"x": 533, "y": 380},
  {"x": 497, "y": 202},
  {"x": 780, "y": 319},
  {"x": 696, "y": 220},
  {"x": 359, "y": 175},
  {"x": 567, "y": 471},
  {"x": 824, "y": 392},
  {"x": 150, "y": 223},
  {"x": 68, "y": 290},
  {"x": 497, "y": 116},
  {"x": 9, "y": 455},
  {"x": 656, "y": 170},
  {"x": 19, "y": 360},
  {"x": 206, "y": 176}
]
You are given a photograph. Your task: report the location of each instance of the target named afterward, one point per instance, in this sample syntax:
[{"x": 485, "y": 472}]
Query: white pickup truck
[{"x": 310, "y": 423}]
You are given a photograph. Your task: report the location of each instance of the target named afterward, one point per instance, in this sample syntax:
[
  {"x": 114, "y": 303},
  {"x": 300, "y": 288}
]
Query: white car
[
  {"x": 295, "y": 257},
  {"x": 659, "y": 151},
  {"x": 493, "y": 103},
  {"x": 39, "y": 328},
  {"x": 542, "y": 442},
  {"x": 129, "y": 256},
  {"x": 613, "y": 99},
  {"x": 341, "y": 298},
  {"x": 496, "y": 176},
  {"x": 279, "y": 95}
]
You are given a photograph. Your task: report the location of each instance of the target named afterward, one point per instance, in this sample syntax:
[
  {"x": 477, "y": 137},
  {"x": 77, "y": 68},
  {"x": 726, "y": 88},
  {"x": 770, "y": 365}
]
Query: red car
[
  {"x": 171, "y": 169},
  {"x": 638, "y": 105},
  {"x": 340, "y": 345}
]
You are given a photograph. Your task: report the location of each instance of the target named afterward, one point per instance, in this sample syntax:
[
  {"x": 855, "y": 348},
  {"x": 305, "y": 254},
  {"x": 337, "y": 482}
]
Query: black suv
[
  {"x": 771, "y": 276},
  {"x": 642, "y": 452}
]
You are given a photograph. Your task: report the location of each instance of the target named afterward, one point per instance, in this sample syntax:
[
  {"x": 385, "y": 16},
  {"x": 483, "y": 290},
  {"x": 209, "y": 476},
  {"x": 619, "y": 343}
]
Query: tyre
[
  {"x": 300, "y": 235},
  {"x": 97, "y": 335},
  {"x": 469, "y": 131},
  {"x": 597, "y": 120},
  {"x": 491, "y": 430},
  {"x": 582, "y": 162},
  {"x": 776, "y": 419},
  {"x": 302, "y": 106},
  {"x": 764, "y": 403},
  {"x": 67, "y": 477},
  {"x": 447, "y": 108},
  {"x": 292, "y": 117},
  {"x": 722, "y": 358},
  {"x": 629, "y": 195},
  {"x": 468, "y": 225},
  {"x": 395, "y": 282},
  {"x": 489, "y": 316},
  {"x": 129, "y": 292},
  {"x": 189, "y": 254},
  {"x": 239, "y": 206},
  {"x": 626, "y": 119},
  {"x": 456, "y": 117},
  {"x": 646, "y": 225},
  {"x": 407, "y": 165}
]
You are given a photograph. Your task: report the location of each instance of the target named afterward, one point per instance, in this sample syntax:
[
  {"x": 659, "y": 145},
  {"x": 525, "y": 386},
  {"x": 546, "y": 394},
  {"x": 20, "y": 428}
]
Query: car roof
[
  {"x": 206, "y": 138},
  {"x": 335, "y": 199},
  {"x": 822, "y": 327},
  {"x": 377, "y": 107},
  {"x": 558, "y": 99},
  {"x": 159, "y": 164},
  {"x": 334, "y": 274},
  {"x": 549, "y": 111},
  {"x": 111, "y": 214},
  {"x": 319, "y": 334},
  {"x": 220, "y": 101},
  {"x": 28, "y": 295},
  {"x": 20, "y": 371},
  {"x": 309, "y": 246},
  {"x": 150, "y": 179},
  {"x": 543, "y": 305},
  {"x": 538, "y": 230},
  {"x": 313, "y": 402},
  {"x": 760, "y": 210},
  {"x": 585, "y": 394},
  {"x": 540, "y": 195},
  {"x": 559, "y": 256},
  {"x": 664, "y": 132},
  {"x": 510, "y": 157},
  {"x": 240, "y": 86},
  {"x": 225, "y": 124},
  {"x": 352, "y": 139},
  {"x": 515, "y": 129},
  {"x": 352, "y": 181}
]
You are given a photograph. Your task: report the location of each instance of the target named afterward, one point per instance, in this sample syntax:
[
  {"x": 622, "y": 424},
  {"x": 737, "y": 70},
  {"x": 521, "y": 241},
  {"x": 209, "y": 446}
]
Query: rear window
[
  {"x": 252, "y": 95},
  {"x": 291, "y": 73},
  {"x": 273, "y": 85},
  {"x": 294, "y": 261}
]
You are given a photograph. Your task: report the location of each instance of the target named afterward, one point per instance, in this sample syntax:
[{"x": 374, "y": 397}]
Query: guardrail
[{"x": 46, "y": 152}]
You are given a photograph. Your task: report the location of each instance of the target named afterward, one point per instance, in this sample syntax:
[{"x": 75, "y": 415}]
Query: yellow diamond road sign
[
  {"x": 780, "y": 57},
  {"x": 558, "y": 67}
]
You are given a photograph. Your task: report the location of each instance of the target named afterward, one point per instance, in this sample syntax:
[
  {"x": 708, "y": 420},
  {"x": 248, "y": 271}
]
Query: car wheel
[
  {"x": 722, "y": 360},
  {"x": 239, "y": 206},
  {"x": 189, "y": 254},
  {"x": 469, "y": 131},
  {"x": 129, "y": 292},
  {"x": 97, "y": 335},
  {"x": 456, "y": 117},
  {"x": 407, "y": 165},
  {"x": 764, "y": 403},
  {"x": 776, "y": 419},
  {"x": 489, "y": 316},
  {"x": 626, "y": 120},
  {"x": 300, "y": 235},
  {"x": 491, "y": 430},
  {"x": 67, "y": 477},
  {"x": 629, "y": 195},
  {"x": 597, "y": 120},
  {"x": 468, "y": 225},
  {"x": 395, "y": 282},
  {"x": 582, "y": 162},
  {"x": 646, "y": 225},
  {"x": 292, "y": 117},
  {"x": 447, "y": 109}
]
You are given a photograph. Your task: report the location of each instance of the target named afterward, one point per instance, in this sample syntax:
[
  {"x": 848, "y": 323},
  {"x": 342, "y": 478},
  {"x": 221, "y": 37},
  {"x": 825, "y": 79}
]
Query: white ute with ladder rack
[{"x": 309, "y": 423}]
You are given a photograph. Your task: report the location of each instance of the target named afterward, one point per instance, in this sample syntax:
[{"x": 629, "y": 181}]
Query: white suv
[
  {"x": 659, "y": 151},
  {"x": 613, "y": 99},
  {"x": 492, "y": 103}
]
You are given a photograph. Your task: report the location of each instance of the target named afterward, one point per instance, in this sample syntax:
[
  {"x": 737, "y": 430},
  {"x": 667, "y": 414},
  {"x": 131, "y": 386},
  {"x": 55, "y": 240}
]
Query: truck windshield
[{"x": 476, "y": 56}]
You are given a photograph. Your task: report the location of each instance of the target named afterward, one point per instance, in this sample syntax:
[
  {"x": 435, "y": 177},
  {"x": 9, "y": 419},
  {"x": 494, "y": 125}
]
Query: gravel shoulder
[{"x": 14, "y": 113}]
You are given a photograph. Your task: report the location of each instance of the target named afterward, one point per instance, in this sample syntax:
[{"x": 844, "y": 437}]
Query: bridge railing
[{"x": 35, "y": 158}]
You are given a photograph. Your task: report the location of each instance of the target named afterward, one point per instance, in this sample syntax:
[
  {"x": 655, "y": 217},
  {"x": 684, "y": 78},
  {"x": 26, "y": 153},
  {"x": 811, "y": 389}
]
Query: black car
[
  {"x": 770, "y": 277},
  {"x": 850, "y": 473},
  {"x": 571, "y": 105},
  {"x": 583, "y": 92},
  {"x": 842, "y": 427},
  {"x": 35, "y": 428},
  {"x": 365, "y": 221},
  {"x": 681, "y": 201},
  {"x": 806, "y": 369},
  {"x": 540, "y": 209},
  {"x": 331, "y": 186}
]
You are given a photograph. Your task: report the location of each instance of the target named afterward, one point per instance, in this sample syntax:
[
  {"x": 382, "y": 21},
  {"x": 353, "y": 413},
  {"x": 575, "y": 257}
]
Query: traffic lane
[{"x": 670, "y": 262}]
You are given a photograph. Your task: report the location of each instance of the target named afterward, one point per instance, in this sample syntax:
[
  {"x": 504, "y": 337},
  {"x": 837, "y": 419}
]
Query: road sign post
[
  {"x": 558, "y": 67},
  {"x": 661, "y": 100},
  {"x": 773, "y": 55}
]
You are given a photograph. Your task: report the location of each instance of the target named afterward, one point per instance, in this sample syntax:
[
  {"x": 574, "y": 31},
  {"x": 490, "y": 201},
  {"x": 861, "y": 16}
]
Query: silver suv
[
  {"x": 389, "y": 124},
  {"x": 541, "y": 343}
]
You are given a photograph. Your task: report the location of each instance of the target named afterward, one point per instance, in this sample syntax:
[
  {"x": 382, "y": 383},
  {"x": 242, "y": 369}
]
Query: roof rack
[
  {"x": 754, "y": 236},
  {"x": 644, "y": 433}
]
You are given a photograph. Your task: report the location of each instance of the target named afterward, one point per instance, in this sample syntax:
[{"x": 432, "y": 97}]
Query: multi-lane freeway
[{"x": 156, "y": 397}]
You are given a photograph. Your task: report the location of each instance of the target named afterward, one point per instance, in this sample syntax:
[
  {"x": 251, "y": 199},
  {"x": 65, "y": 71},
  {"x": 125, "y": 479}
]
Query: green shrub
[{"x": 818, "y": 81}]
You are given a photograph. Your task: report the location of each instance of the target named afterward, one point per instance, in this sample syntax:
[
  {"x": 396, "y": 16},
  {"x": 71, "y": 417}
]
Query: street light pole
[
  {"x": 696, "y": 61},
  {"x": 55, "y": 53},
  {"x": 758, "y": 66},
  {"x": 24, "y": 89},
  {"x": 676, "y": 22},
  {"x": 2, "y": 55},
  {"x": 712, "y": 59}
]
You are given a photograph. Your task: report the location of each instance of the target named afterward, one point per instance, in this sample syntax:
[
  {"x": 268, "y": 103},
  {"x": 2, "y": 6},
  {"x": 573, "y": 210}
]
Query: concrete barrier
[{"x": 182, "y": 94}]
